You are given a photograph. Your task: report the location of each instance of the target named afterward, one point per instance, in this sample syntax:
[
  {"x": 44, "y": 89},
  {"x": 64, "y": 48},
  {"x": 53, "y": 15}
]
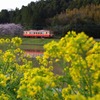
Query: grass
[
  {"x": 35, "y": 43},
  {"x": 31, "y": 47},
  {"x": 41, "y": 41}
]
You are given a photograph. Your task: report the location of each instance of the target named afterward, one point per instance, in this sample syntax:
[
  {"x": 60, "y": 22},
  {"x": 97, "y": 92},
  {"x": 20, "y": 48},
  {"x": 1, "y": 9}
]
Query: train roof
[{"x": 36, "y": 30}]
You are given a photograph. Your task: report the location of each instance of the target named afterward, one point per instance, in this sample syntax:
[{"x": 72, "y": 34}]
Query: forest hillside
[{"x": 58, "y": 15}]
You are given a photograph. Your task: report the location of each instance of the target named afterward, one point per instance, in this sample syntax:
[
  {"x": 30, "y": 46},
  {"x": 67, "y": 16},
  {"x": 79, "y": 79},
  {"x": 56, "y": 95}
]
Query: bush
[
  {"x": 13, "y": 64},
  {"x": 79, "y": 57}
]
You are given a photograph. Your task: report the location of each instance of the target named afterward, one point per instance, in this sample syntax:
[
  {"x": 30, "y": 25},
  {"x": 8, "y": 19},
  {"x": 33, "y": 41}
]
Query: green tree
[{"x": 4, "y": 16}]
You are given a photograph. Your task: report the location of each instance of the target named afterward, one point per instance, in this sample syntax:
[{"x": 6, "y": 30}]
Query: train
[{"x": 38, "y": 33}]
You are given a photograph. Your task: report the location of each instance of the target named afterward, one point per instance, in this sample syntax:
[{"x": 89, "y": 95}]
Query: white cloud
[{"x": 12, "y": 4}]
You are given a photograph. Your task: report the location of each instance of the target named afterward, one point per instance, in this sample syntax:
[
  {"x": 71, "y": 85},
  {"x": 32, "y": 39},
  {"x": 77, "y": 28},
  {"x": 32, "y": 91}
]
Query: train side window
[{"x": 46, "y": 32}]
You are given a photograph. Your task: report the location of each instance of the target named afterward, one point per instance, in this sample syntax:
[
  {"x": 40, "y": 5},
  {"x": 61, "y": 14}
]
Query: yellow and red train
[{"x": 38, "y": 33}]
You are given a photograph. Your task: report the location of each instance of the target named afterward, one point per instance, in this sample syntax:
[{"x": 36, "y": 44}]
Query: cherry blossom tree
[{"x": 11, "y": 30}]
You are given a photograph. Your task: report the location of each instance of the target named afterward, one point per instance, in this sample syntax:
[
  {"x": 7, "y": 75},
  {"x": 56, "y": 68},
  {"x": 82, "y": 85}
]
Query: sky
[{"x": 12, "y": 4}]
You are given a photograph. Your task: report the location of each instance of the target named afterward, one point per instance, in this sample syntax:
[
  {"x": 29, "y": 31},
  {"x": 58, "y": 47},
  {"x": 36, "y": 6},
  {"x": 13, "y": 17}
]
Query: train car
[{"x": 38, "y": 33}]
